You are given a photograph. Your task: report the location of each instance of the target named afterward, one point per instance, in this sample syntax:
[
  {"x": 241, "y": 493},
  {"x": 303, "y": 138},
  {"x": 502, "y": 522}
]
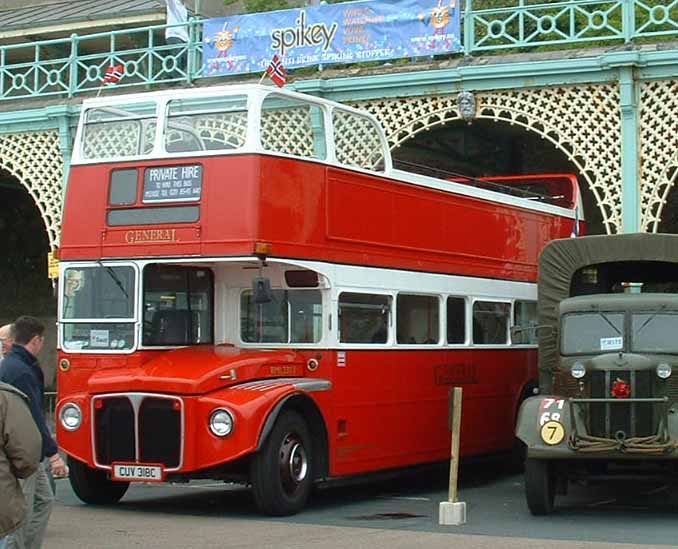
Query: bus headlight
[
  {"x": 70, "y": 416},
  {"x": 221, "y": 422},
  {"x": 578, "y": 370},
  {"x": 664, "y": 370}
]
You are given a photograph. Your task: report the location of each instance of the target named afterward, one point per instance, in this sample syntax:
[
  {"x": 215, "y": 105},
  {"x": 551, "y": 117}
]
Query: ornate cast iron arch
[
  {"x": 583, "y": 122},
  {"x": 658, "y": 149},
  {"x": 35, "y": 159}
]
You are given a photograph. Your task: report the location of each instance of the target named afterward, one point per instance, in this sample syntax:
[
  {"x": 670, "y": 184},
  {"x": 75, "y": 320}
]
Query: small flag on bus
[
  {"x": 277, "y": 72},
  {"x": 113, "y": 74}
]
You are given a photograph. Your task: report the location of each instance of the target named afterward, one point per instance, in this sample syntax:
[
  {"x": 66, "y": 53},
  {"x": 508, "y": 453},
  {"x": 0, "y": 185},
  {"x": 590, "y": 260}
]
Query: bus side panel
[{"x": 391, "y": 407}]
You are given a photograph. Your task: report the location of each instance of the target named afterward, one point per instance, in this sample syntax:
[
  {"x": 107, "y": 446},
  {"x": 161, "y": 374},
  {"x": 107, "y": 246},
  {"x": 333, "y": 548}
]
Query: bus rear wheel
[
  {"x": 540, "y": 486},
  {"x": 93, "y": 486},
  {"x": 282, "y": 471}
]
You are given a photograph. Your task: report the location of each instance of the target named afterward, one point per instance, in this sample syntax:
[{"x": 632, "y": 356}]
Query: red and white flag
[
  {"x": 276, "y": 71},
  {"x": 113, "y": 74}
]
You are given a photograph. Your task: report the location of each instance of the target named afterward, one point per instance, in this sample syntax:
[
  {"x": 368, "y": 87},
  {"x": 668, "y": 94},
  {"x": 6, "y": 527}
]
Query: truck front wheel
[
  {"x": 282, "y": 471},
  {"x": 540, "y": 486},
  {"x": 93, "y": 486}
]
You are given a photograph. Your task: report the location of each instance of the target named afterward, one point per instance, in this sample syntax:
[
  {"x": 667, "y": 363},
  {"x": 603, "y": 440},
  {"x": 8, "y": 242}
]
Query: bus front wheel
[
  {"x": 282, "y": 471},
  {"x": 540, "y": 486},
  {"x": 93, "y": 486}
]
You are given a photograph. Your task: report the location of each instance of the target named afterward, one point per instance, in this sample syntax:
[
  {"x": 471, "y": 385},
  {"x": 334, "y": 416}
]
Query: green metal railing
[
  {"x": 75, "y": 66},
  {"x": 528, "y": 24}
]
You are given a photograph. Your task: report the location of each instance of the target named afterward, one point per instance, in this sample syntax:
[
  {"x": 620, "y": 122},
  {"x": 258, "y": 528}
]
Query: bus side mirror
[{"x": 261, "y": 290}]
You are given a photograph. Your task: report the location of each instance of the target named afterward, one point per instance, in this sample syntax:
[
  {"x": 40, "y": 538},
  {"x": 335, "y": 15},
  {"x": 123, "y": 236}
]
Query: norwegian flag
[
  {"x": 277, "y": 72},
  {"x": 113, "y": 74}
]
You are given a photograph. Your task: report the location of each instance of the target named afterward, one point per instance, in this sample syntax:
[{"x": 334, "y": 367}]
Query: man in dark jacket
[
  {"x": 20, "y": 368},
  {"x": 20, "y": 455}
]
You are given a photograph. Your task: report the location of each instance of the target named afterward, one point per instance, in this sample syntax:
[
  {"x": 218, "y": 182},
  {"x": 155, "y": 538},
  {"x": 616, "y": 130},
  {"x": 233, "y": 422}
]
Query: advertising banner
[{"x": 351, "y": 32}]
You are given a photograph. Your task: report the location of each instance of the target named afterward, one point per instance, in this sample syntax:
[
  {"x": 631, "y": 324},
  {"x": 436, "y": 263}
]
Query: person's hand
[{"x": 59, "y": 468}]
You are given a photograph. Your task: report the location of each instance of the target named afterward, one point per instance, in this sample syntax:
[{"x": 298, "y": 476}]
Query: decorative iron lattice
[
  {"x": 119, "y": 138},
  {"x": 658, "y": 149},
  {"x": 35, "y": 159},
  {"x": 356, "y": 141},
  {"x": 209, "y": 131},
  {"x": 582, "y": 121},
  {"x": 288, "y": 131}
]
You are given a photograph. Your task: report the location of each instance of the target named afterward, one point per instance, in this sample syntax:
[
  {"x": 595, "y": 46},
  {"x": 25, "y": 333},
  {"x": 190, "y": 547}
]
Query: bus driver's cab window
[{"x": 178, "y": 305}]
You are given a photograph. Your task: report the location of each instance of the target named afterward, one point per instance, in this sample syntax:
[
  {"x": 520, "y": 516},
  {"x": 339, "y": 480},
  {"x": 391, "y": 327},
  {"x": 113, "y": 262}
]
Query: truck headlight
[
  {"x": 221, "y": 422},
  {"x": 70, "y": 416},
  {"x": 664, "y": 370},
  {"x": 578, "y": 370}
]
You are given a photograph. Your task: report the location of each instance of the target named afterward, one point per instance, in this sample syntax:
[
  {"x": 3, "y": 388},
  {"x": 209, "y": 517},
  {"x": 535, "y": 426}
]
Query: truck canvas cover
[{"x": 561, "y": 259}]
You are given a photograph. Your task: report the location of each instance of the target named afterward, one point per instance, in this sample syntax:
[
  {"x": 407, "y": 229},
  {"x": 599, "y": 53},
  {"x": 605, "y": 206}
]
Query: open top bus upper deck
[{"x": 216, "y": 172}]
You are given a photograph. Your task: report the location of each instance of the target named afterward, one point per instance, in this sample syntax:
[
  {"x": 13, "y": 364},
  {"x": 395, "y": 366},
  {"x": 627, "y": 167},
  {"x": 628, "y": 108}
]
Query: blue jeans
[{"x": 3, "y": 542}]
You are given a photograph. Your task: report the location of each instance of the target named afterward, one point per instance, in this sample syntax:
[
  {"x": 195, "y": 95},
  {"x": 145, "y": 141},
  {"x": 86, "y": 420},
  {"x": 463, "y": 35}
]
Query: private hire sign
[{"x": 351, "y": 32}]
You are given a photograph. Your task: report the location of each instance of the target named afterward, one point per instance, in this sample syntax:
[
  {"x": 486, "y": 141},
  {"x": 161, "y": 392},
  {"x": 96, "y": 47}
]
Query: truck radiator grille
[
  {"x": 136, "y": 428},
  {"x": 634, "y": 419}
]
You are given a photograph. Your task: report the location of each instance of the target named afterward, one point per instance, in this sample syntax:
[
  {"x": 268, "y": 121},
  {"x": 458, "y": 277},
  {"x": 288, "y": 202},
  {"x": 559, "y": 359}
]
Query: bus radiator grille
[
  {"x": 158, "y": 430},
  {"x": 114, "y": 431}
]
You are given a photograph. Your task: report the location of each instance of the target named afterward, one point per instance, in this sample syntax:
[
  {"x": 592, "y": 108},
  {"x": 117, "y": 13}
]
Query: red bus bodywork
[{"x": 367, "y": 409}]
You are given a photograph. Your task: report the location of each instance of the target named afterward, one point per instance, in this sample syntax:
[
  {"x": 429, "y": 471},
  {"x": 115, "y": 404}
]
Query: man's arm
[
  {"x": 25, "y": 385},
  {"x": 23, "y": 443}
]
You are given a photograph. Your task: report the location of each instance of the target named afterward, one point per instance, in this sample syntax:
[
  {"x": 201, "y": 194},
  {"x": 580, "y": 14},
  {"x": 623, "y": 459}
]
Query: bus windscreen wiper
[{"x": 115, "y": 278}]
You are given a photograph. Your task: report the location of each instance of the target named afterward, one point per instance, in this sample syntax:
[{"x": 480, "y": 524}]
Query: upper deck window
[
  {"x": 357, "y": 141},
  {"x": 206, "y": 124},
  {"x": 122, "y": 131},
  {"x": 294, "y": 127}
]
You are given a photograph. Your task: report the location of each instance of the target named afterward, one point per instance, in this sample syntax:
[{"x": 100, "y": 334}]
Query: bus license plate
[{"x": 135, "y": 472}]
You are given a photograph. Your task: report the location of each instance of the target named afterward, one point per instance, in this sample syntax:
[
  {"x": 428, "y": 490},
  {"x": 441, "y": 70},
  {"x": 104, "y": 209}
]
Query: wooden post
[
  {"x": 454, "y": 452},
  {"x": 453, "y": 512}
]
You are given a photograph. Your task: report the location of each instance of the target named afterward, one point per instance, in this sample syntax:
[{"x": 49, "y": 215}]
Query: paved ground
[{"x": 396, "y": 514}]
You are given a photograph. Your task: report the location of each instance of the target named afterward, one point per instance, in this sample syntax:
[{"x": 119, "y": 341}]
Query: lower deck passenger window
[
  {"x": 363, "y": 318},
  {"x": 525, "y": 319},
  {"x": 490, "y": 322},
  {"x": 456, "y": 320},
  {"x": 417, "y": 319},
  {"x": 178, "y": 305}
]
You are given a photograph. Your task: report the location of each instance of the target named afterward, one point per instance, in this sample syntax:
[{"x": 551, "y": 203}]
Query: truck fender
[{"x": 545, "y": 422}]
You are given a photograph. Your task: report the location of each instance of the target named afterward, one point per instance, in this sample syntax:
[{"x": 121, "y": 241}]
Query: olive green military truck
[{"x": 608, "y": 364}]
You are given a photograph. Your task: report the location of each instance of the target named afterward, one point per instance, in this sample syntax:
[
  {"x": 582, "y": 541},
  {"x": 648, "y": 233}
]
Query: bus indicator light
[{"x": 262, "y": 249}]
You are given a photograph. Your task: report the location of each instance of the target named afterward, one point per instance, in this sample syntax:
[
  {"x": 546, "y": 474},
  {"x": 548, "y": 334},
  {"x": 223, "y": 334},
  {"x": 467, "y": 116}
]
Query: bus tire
[
  {"x": 281, "y": 472},
  {"x": 540, "y": 486},
  {"x": 93, "y": 486}
]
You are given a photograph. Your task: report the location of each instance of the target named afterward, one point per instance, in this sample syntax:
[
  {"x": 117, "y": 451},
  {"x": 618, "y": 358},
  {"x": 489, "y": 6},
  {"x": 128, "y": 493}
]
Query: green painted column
[
  {"x": 630, "y": 164},
  {"x": 64, "y": 118}
]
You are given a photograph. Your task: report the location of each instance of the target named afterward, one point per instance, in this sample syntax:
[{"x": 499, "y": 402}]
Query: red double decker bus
[{"x": 250, "y": 291}]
